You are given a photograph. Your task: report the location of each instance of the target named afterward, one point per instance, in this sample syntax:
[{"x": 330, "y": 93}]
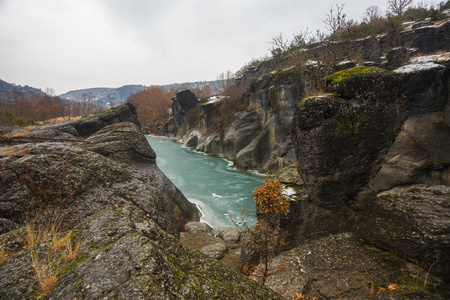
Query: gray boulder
[
  {"x": 416, "y": 223},
  {"x": 199, "y": 228},
  {"x": 216, "y": 251},
  {"x": 90, "y": 181},
  {"x": 229, "y": 235}
]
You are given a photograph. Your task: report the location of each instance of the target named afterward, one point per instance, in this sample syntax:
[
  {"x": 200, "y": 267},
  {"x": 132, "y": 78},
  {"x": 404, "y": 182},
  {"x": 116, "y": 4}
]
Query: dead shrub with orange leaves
[{"x": 264, "y": 237}]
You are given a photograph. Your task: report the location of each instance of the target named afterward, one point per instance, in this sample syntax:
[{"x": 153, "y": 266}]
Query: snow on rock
[
  {"x": 288, "y": 191},
  {"x": 214, "y": 99},
  {"x": 421, "y": 63}
]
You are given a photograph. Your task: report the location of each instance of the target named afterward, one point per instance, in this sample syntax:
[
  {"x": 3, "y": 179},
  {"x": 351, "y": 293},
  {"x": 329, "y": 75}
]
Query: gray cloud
[{"x": 76, "y": 44}]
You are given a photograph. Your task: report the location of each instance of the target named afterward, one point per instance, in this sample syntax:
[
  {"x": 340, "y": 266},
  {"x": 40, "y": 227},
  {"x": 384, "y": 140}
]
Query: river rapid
[{"x": 208, "y": 181}]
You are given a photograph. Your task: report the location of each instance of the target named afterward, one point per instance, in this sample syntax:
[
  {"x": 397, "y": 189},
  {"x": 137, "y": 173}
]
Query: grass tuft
[{"x": 45, "y": 274}]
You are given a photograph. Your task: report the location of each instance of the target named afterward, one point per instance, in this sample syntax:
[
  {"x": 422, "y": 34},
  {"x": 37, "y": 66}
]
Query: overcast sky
[{"x": 75, "y": 44}]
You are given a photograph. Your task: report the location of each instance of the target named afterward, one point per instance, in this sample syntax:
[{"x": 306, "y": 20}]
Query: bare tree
[
  {"x": 50, "y": 91},
  {"x": 225, "y": 81},
  {"x": 372, "y": 14},
  {"x": 335, "y": 21},
  {"x": 316, "y": 64},
  {"x": 397, "y": 7}
]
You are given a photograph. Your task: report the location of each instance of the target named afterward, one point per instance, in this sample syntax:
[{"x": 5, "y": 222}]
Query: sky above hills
[{"x": 74, "y": 44}]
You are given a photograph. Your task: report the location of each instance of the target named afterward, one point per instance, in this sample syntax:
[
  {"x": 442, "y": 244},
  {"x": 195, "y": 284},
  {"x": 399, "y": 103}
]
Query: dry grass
[
  {"x": 3, "y": 256},
  {"x": 21, "y": 133},
  {"x": 45, "y": 275},
  {"x": 60, "y": 253},
  {"x": 115, "y": 126},
  {"x": 62, "y": 119},
  {"x": 36, "y": 232},
  {"x": 11, "y": 151},
  {"x": 33, "y": 235},
  {"x": 70, "y": 252},
  {"x": 58, "y": 243}
]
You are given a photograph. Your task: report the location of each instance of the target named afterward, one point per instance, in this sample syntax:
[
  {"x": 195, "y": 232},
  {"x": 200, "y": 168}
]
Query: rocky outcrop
[
  {"x": 414, "y": 223},
  {"x": 377, "y": 135},
  {"x": 91, "y": 178},
  {"x": 342, "y": 267},
  {"x": 116, "y": 208},
  {"x": 86, "y": 127},
  {"x": 183, "y": 104},
  {"x": 124, "y": 255},
  {"x": 257, "y": 137}
]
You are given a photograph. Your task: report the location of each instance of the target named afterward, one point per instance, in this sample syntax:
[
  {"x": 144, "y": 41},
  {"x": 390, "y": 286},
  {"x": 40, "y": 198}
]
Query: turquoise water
[{"x": 208, "y": 181}]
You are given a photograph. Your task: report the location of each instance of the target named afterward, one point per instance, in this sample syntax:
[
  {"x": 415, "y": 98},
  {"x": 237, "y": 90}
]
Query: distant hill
[
  {"x": 119, "y": 95},
  {"x": 8, "y": 91},
  {"x": 214, "y": 84},
  {"x": 104, "y": 96}
]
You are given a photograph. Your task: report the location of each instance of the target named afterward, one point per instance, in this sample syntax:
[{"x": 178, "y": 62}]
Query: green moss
[
  {"x": 78, "y": 285},
  {"x": 329, "y": 96},
  {"x": 341, "y": 76}
]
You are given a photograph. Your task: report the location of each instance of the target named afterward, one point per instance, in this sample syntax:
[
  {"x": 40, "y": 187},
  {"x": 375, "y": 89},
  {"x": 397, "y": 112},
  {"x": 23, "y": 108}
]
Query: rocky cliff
[
  {"x": 119, "y": 217},
  {"x": 255, "y": 132},
  {"x": 374, "y": 159},
  {"x": 371, "y": 152}
]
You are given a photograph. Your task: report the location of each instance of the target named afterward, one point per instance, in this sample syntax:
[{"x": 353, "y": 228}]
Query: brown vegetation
[
  {"x": 264, "y": 237},
  {"x": 47, "y": 214},
  {"x": 3, "y": 256},
  {"x": 45, "y": 275},
  {"x": 22, "y": 110},
  {"x": 152, "y": 106}
]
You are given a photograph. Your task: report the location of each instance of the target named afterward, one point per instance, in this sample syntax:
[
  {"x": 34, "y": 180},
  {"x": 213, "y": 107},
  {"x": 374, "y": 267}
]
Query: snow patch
[
  {"x": 411, "y": 68},
  {"x": 288, "y": 191},
  {"x": 422, "y": 63},
  {"x": 214, "y": 99}
]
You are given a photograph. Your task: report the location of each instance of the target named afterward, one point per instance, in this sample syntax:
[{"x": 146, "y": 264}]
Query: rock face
[
  {"x": 183, "y": 103},
  {"x": 377, "y": 135},
  {"x": 257, "y": 137},
  {"x": 117, "y": 206}
]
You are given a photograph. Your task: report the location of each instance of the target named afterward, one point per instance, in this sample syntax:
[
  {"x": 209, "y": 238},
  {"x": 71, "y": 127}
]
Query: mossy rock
[
  {"x": 365, "y": 83},
  {"x": 344, "y": 75}
]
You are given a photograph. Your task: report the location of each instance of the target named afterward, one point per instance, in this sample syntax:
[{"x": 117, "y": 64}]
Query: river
[{"x": 208, "y": 181}]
